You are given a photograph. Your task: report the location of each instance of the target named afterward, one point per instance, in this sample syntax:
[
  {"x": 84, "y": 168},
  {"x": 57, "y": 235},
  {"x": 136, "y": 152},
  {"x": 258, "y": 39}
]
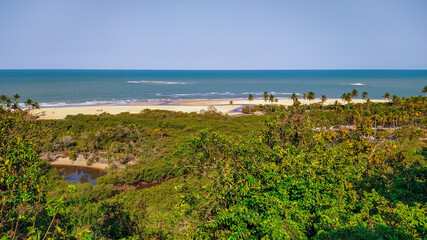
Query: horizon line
[{"x": 237, "y": 69}]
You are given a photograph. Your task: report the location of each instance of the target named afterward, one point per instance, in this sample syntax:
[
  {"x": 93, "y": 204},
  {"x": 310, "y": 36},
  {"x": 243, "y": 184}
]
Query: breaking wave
[
  {"x": 98, "y": 103},
  {"x": 157, "y": 82},
  {"x": 357, "y": 84}
]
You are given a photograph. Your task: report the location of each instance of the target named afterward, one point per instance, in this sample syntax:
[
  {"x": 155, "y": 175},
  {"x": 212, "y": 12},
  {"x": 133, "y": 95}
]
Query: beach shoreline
[{"x": 199, "y": 106}]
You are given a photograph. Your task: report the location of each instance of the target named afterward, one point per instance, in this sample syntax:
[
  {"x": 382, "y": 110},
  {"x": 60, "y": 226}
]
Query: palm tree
[
  {"x": 395, "y": 99},
  {"x": 305, "y": 96},
  {"x": 311, "y": 96},
  {"x": 8, "y": 102},
  {"x": 251, "y": 97},
  {"x": 29, "y": 102},
  {"x": 343, "y": 97},
  {"x": 14, "y": 103},
  {"x": 265, "y": 96},
  {"x": 31, "y": 105},
  {"x": 36, "y": 105},
  {"x": 294, "y": 97},
  {"x": 3, "y": 98},
  {"x": 347, "y": 97},
  {"x": 16, "y": 97},
  {"x": 271, "y": 99},
  {"x": 386, "y": 96},
  {"x": 354, "y": 93},
  {"x": 231, "y": 102},
  {"x": 424, "y": 90},
  {"x": 324, "y": 98},
  {"x": 365, "y": 95},
  {"x": 276, "y": 100}
]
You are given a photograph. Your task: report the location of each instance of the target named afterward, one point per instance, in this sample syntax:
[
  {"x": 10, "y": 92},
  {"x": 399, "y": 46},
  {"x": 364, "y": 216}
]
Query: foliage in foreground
[
  {"x": 290, "y": 182},
  {"x": 292, "y": 179}
]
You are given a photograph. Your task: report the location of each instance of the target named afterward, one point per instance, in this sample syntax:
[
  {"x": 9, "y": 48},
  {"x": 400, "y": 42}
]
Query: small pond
[{"x": 80, "y": 174}]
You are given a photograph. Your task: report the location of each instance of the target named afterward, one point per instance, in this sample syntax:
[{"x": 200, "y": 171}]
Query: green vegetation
[
  {"x": 324, "y": 98},
  {"x": 355, "y": 171},
  {"x": 250, "y": 97},
  {"x": 365, "y": 95},
  {"x": 354, "y": 93},
  {"x": 13, "y": 103}
]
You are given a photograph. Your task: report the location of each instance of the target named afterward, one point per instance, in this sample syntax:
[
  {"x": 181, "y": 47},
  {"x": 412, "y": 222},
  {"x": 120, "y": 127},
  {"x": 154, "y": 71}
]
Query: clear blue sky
[{"x": 213, "y": 34}]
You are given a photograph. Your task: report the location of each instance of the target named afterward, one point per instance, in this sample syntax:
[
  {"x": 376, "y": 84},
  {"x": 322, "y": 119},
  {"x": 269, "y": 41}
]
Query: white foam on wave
[
  {"x": 274, "y": 93},
  {"x": 203, "y": 94},
  {"x": 357, "y": 84},
  {"x": 157, "y": 82},
  {"x": 284, "y": 93},
  {"x": 228, "y": 94},
  {"x": 97, "y": 103},
  {"x": 164, "y": 98},
  {"x": 59, "y": 104}
]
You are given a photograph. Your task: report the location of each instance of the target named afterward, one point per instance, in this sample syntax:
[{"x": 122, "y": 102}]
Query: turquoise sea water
[{"x": 54, "y": 88}]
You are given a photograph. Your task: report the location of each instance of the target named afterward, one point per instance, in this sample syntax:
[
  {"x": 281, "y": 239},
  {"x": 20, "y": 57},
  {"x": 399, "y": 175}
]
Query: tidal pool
[{"x": 80, "y": 174}]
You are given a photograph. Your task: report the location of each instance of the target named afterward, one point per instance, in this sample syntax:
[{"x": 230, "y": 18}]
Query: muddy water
[{"x": 80, "y": 174}]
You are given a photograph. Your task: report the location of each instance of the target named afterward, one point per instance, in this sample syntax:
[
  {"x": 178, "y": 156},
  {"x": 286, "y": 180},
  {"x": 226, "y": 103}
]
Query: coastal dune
[{"x": 187, "y": 106}]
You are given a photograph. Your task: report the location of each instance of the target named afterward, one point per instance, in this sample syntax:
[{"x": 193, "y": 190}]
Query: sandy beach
[
  {"x": 62, "y": 159},
  {"x": 65, "y": 161},
  {"x": 222, "y": 106}
]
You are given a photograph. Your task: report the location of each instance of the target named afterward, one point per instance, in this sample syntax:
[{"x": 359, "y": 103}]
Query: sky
[{"x": 206, "y": 34}]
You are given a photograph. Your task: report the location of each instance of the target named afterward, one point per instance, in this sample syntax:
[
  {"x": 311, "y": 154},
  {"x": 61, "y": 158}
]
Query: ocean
[{"x": 60, "y": 88}]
